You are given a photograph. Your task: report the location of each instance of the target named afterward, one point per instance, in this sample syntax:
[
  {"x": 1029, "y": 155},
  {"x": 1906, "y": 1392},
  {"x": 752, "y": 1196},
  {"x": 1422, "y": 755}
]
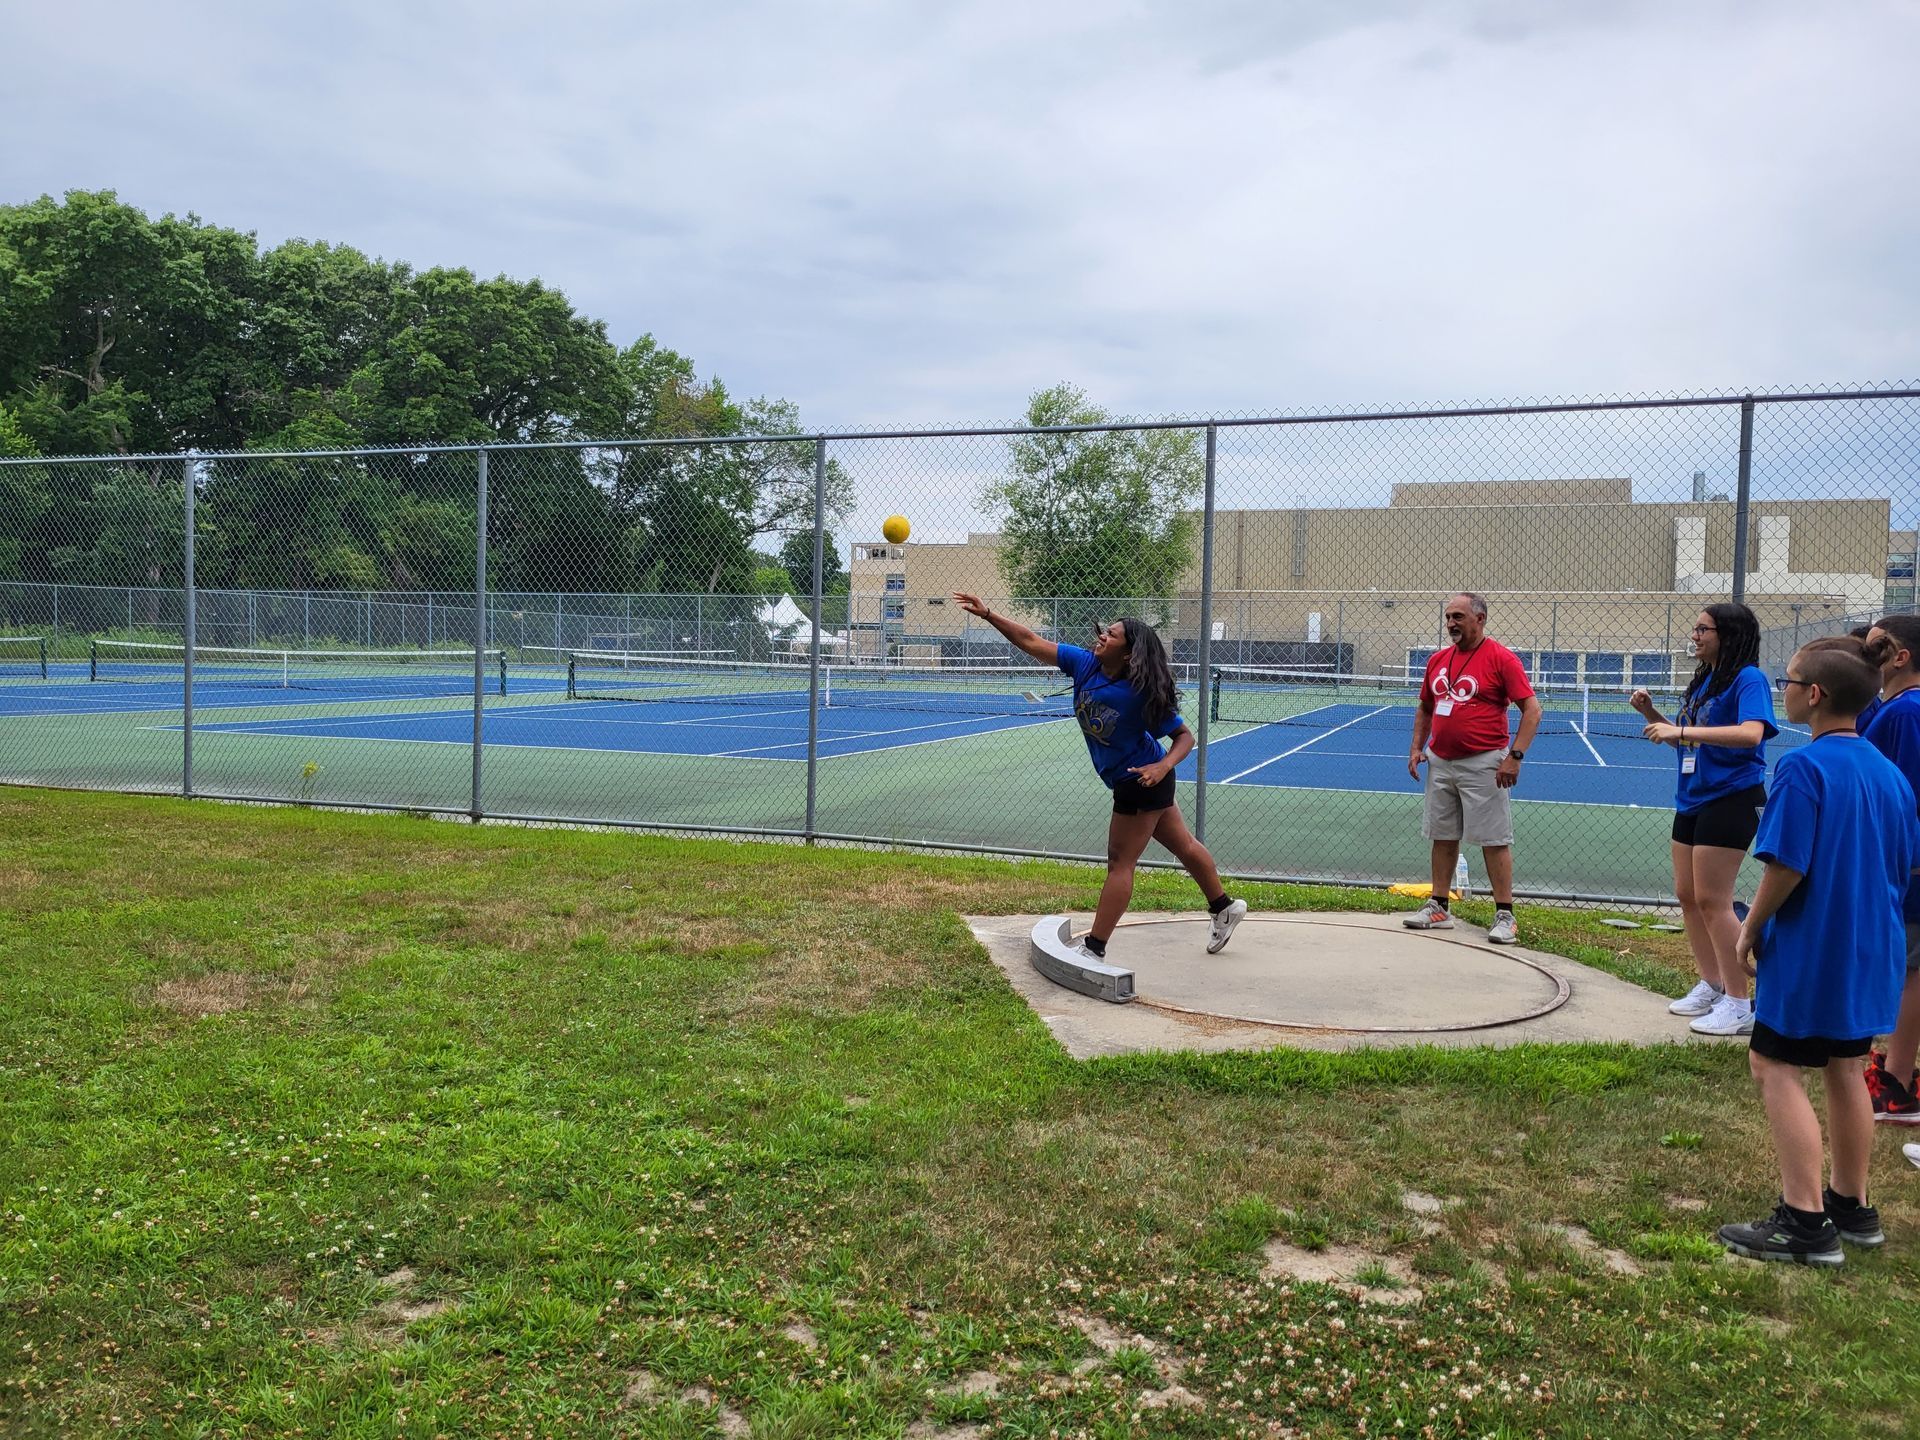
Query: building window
[{"x": 896, "y": 584}]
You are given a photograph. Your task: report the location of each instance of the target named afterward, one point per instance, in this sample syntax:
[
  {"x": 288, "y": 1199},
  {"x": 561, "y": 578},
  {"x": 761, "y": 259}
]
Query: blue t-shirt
[
  {"x": 1895, "y": 733},
  {"x": 1868, "y": 715},
  {"x": 1111, "y": 716},
  {"x": 1723, "y": 769},
  {"x": 1833, "y": 959}
]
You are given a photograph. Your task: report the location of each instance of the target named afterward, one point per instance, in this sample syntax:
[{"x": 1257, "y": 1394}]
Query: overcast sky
[{"x": 920, "y": 213}]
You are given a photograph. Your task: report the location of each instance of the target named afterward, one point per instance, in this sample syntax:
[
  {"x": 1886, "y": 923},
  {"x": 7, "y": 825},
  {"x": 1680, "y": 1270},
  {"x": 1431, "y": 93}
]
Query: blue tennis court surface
[{"x": 1343, "y": 745}]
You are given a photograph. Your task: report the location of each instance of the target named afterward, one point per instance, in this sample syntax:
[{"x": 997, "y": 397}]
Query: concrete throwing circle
[{"x": 1357, "y": 973}]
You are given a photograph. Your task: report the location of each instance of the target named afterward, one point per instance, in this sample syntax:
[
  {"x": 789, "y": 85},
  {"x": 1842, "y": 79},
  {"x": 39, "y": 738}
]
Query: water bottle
[{"x": 1462, "y": 885}]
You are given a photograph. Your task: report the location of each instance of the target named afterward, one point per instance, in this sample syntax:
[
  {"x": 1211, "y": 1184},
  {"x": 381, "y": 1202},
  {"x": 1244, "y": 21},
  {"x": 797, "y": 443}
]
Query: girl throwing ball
[{"x": 1123, "y": 698}]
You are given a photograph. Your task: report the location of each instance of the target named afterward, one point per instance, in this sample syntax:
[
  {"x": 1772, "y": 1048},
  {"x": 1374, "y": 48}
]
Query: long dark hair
[
  {"x": 1739, "y": 648},
  {"x": 1149, "y": 674}
]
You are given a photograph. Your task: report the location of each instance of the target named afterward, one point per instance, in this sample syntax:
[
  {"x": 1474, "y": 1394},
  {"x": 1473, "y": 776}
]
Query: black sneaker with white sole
[
  {"x": 1782, "y": 1236},
  {"x": 1858, "y": 1224}
]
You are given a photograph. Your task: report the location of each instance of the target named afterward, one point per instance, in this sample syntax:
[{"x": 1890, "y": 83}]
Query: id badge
[
  {"x": 1443, "y": 707},
  {"x": 1687, "y": 762}
]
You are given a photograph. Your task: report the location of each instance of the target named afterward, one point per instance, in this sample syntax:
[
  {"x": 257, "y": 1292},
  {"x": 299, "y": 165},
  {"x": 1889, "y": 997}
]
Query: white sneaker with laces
[
  {"x": 1697, "y": 1001},
  {"x": 1912, "y": 1152},
  {"x": 1223, "y": 924},
  {"x": 1081, "y": 952},
  {"x": 1505, "y": 929},
  {"x": 1430, "y": 916},
  {"x": 1727, "y": 1017}
]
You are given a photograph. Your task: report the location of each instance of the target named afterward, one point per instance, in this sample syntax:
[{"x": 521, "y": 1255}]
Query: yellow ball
[{"x": 896, "y": 529}]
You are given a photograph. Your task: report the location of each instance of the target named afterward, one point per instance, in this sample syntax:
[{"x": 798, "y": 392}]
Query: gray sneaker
[
  {"x": 1504, "y": 930},
  {"x": 1430, "y": 916},
  {"x": 1223, "y": 924}
]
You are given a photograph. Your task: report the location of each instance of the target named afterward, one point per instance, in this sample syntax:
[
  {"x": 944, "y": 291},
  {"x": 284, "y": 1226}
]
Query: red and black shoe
[{"x": 1893, "y": 1103}]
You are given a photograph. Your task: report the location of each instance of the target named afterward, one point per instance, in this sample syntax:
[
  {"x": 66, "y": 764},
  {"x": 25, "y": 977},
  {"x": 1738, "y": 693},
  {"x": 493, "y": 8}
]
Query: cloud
[{"x": 921, "y": 214}]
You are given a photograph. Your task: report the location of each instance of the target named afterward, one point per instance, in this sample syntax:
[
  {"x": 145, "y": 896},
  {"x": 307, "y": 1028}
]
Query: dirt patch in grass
[
  {"x": 1347, "y": 1266},
  {"x": 221, "y": 992}
]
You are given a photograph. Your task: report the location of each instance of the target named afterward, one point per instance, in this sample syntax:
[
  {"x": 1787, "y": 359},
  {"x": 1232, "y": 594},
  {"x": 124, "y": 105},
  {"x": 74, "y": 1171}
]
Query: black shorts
[
  {"x": 1130, "y": 797},
  {"x": 1809, "y": 1052},
  {"x": 1729, "y": 823}
]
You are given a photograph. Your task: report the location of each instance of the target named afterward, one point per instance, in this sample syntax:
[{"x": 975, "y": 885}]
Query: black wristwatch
[{"x": 1516, "y": 754}]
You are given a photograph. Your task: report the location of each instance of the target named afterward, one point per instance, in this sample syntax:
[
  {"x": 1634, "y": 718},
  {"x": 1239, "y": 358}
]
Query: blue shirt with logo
[
  {"x": 1833, "y": 958},
  {"x": 1112, "y": 717},
  {"x": 1895, "y": 733},
  {"x": 1721, "y": 770}
]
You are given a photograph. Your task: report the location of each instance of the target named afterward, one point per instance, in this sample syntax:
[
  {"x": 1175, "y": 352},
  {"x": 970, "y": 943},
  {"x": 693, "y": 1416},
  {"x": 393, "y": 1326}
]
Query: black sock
[
  {"x": 1443, "y": 901},
  {"x": 1812, "y": 1219},
  {"x": 1214, "y": 907},
  {"x": 1839, "y": 1203},
  {"x": 1097, "y": 946}
]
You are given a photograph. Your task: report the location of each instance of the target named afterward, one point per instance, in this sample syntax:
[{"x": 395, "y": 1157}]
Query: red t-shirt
[{"x": 1480, "y": 683}]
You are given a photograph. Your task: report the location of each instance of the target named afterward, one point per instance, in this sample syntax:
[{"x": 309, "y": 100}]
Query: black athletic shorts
[
  {"x": 1130, "y": 797},
  {"x": 1729, "y": 823},
  {"x": 1809, "y": 1052}
]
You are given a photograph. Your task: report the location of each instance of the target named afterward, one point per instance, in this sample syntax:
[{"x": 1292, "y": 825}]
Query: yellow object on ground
[{"x": 1419, "y": 891}]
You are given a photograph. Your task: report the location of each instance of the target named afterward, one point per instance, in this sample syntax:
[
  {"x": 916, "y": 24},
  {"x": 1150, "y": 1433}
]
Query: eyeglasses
[
  {"x": 1785, "y": 680},
  {"x": 1706, "y": 629}
]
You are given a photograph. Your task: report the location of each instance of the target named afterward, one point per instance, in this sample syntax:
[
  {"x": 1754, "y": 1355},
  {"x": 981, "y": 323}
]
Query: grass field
[{"x": 325, "y": 1124}]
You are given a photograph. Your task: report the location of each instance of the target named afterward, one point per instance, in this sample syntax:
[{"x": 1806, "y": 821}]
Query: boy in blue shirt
[
  {"x": 1892, "y": 1077},
  {"x": 1840, "y": 838}
]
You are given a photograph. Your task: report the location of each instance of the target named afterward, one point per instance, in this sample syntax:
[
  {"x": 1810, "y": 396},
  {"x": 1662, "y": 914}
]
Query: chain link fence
[{"x": 716, "y": 635}]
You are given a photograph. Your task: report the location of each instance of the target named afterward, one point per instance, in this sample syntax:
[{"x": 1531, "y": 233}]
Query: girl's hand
[
  {"x": 1662, "y": 734},
  {"x": 1149, "y": 776},
  {"x": 1642, "y": 701}
]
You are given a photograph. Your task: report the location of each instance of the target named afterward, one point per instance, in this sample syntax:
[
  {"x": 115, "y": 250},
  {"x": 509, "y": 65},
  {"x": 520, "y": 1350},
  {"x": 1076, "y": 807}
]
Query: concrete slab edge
[{"x": 1051, "y": 950}]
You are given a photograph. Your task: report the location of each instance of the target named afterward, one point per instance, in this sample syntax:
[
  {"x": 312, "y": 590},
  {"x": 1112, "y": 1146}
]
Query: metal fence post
[
  {"x": 186, "y": 668},
  {"x": 1743, "y": 501},
  {"x": 813, "y": 657},
  {"x": 474, "y": 810},
  {"x": 1204, "y": 701}
]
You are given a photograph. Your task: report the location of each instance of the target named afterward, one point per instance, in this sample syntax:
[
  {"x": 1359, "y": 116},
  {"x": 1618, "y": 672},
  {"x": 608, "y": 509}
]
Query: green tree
[
  {"x": 796, "y": 556},
  {"x": 1096, "y": 515}
]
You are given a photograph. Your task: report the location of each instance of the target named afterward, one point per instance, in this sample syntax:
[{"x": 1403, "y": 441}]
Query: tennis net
[
  {"x": 23, "y": 657},
  {"x": 973, "y": 690},
  {"x": 367, "y": 672},
  {"x": 1266, "y": 695}
]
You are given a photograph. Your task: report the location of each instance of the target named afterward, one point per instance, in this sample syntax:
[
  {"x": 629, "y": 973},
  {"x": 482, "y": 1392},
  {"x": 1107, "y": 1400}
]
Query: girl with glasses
[{"x": 1720, "y": 738}]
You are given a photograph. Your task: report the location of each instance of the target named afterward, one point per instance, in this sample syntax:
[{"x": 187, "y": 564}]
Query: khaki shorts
[{"x": 1465, "y": 803}]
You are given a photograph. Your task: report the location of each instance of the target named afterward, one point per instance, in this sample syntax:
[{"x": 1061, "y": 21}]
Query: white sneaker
[
  {"x": 1504, "y": 930},
  {"x": 1430, "y": 916},
  {"x": 1912, "y": 1152},
  {"x": 1727, "y": 1017},
  {"x": 1223, "y": 924},
  {"x": 1697, "y": 1001},
  {"x": 1081, "y": 952}
]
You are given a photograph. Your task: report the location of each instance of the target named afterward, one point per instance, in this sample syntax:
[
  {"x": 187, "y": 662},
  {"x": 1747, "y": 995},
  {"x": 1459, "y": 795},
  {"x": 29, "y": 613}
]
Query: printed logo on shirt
[
  {"x": 1098, "y": 720},
  {"x": 1444, "y": 688}
]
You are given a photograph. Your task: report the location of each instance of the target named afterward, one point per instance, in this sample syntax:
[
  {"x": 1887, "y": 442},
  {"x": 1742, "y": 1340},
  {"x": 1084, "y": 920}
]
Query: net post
[
  {"x": 813, "y": 659},
  {"x": 1743, "y": 502},
  {"x": 192, "y": 638},
  {"x": 479, "y": 628},
  {"x": 1206, "y": 643}
]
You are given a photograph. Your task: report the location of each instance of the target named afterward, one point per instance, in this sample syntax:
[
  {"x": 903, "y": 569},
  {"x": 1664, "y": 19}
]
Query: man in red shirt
[{"x": 1460, "y": 731}]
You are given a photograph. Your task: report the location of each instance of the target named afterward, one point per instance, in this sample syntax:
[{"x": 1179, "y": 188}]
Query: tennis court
[{"x": 1306, "y": 775}]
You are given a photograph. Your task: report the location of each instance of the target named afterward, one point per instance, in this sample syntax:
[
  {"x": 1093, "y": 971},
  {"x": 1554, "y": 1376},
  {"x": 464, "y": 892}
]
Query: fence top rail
[{"x": 1461, "y": 412}]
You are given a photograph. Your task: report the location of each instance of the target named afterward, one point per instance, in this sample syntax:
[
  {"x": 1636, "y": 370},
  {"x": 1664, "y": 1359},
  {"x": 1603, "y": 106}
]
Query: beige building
[{"x": 1592, "y": 586}]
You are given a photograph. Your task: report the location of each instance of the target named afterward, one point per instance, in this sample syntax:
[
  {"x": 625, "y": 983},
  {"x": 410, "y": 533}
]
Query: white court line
[
  {"x": 1589, "y": 744},
  {"x": 1318, "y": 737},
  {"x": 1022, "y": 721}
]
